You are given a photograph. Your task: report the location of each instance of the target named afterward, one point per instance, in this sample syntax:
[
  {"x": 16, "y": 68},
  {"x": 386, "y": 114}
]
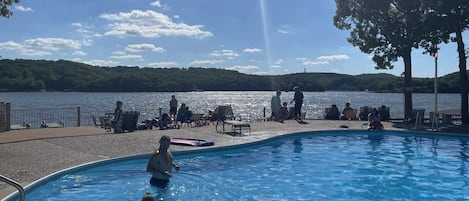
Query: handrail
[{"x": 14, "y": 184}]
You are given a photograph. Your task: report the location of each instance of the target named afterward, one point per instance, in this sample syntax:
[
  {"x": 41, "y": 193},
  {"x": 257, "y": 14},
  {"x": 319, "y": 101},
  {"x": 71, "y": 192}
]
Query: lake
[{"x": 247, "y": 104}]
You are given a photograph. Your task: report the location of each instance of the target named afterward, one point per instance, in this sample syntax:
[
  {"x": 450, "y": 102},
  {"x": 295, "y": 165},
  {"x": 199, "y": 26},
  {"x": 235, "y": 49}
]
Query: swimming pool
[{"x": 333, "y": 165}]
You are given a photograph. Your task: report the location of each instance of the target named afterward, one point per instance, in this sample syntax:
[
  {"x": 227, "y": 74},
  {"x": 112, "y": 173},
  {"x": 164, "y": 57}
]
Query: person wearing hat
[{"x": 298, "y": 99}]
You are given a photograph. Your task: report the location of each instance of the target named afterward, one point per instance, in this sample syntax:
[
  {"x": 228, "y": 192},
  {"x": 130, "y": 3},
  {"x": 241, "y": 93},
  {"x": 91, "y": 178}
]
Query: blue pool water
[{"x": 334, "y": 165}]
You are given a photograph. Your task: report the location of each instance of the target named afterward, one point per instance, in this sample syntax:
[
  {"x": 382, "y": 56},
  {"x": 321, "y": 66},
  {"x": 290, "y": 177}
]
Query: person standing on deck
[
  {"x": 275, "y": 107},
  {"x": 117, "y": 121},
  {"x": 298, "y": 99},
  {"x": 173, "y": 106}
]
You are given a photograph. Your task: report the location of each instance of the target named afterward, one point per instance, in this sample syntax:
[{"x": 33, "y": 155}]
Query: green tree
[
  {"x": 4, "y": 10},
  {"x": 387, "y": 28},
  {"x": 448, "y": 20}
]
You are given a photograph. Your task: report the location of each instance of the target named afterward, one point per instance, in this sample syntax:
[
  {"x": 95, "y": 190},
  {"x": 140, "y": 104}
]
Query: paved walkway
[{"x": 28, "y": 155}]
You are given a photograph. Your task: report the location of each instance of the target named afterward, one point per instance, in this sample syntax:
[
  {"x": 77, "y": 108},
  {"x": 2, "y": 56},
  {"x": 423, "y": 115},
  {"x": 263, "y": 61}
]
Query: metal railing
[
  {"x": 69, "y": 117},
  {"x": 33, "y": 118},
  {"x": 14, "y": 184}
]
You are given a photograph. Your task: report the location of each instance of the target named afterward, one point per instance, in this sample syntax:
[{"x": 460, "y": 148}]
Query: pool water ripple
[{"x": 324, "y": 166}]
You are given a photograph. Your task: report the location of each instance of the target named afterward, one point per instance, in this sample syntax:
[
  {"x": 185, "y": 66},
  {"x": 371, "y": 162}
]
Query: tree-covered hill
[{"x": 61, "y": 75}]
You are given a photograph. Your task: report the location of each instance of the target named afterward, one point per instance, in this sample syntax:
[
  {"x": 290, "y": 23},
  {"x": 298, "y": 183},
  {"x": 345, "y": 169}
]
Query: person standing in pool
[
  {"x": 148, "y": 197},
  {"x": 161, "y": 164}
]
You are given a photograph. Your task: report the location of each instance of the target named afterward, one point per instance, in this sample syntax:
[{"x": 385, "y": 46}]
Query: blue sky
[{"x": 250, "y": 36}]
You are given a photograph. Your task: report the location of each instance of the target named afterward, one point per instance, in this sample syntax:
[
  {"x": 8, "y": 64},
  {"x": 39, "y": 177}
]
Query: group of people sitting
[
  {"x": 167, "y": 121},
  {"x": 374, "y": 116}
]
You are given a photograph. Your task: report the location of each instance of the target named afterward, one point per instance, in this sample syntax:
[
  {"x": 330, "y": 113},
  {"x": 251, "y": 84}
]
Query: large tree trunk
[
  {"x": 407, "y": 84},
  {"x": 463, "y": 78}
]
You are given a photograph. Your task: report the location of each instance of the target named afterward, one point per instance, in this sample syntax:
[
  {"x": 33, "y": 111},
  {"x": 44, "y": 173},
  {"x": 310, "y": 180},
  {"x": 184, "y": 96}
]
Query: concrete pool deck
[{"x": 28, "y": 155}]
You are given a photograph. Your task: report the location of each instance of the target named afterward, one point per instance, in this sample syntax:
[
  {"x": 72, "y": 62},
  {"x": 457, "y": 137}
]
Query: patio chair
[
  {"x": 96, "y": 123},
  {"x": 222, "y": 113}
]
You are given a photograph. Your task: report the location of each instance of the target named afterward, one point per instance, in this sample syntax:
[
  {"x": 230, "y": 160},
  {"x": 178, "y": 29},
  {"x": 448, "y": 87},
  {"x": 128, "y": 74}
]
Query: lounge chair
[
  {"x": 105, "y": 123},
  {"x": 129, "y": 120},
  {"x": 20, "y": 127},
  {"x": 196, "y": 119},
  {"x": 45, "y": 124},
  {"x": 223, "y": 115}
]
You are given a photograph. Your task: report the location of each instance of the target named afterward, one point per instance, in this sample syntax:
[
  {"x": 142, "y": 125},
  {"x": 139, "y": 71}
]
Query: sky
[{"x": 264, "y": 37}]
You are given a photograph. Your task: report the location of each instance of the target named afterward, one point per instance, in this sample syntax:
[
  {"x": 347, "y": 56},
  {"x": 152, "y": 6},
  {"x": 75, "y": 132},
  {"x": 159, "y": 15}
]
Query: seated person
[
  {"x": 284, "y": 111},
  {"x": 291, "y": 113},
  {"x": 364, "y": 111},
  {"x": 165, "y": 122},
  {"x": 384, "y": 113},
  {"x": 374, "y": 120},
  {"x": 187, "y": 115},
  {"x": 181, "y": 112},
  {"x": 332, "y": 113},
  {"x": 344, "y": 111}
]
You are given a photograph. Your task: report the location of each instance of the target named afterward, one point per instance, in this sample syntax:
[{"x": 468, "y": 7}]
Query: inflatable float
[{"x": 191, "y": 142}]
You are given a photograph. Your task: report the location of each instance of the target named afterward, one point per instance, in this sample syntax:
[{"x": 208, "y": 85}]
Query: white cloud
[
  {"x": 282, "y": 31},
  {"x": 162, "y": 64},
  {"x": 229, "y": 54},
  {"x": 252, "y": 50},
  {"x": 128, "y": 56},
  {"x": 307, "y": 62},
  {"x": 277, "y": 64},
  {"x": 86, "y": 32},
  {"x": 10, "y": 45},
  {"x": 101, "y": 63},
  {"x": 23, "y": 9},
  {"x": 156, "y": 4},
  {"x": 79, "y": 53},
  {"x": 37, "y": 53},
  {"x": 40, "y": 46},
  {"x": 119, "y": 52},
  {"x": 243, "y": 69},
  {"x": 334, "y": 57},
  {"x": 205, "y": 62},
  {"x": 150, "y": 24},
  {"x": 286, "y": 29},
  {"x": 279, "y": 61},
  {"x": 143, "y": 47},
  {"x": 52, "y": 44}
]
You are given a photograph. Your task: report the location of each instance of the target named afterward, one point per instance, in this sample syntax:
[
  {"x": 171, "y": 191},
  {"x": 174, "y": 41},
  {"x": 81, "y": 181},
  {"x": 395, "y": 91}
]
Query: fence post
[
  {"x": 78, "y": 117},
  {"x": 8, "y": 116},
  {"x": 264, "y": 115}
]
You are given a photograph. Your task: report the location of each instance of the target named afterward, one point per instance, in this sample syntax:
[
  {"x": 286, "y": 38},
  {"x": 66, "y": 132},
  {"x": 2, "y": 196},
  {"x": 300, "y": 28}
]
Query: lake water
[{"x": 247, "y": 104}]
